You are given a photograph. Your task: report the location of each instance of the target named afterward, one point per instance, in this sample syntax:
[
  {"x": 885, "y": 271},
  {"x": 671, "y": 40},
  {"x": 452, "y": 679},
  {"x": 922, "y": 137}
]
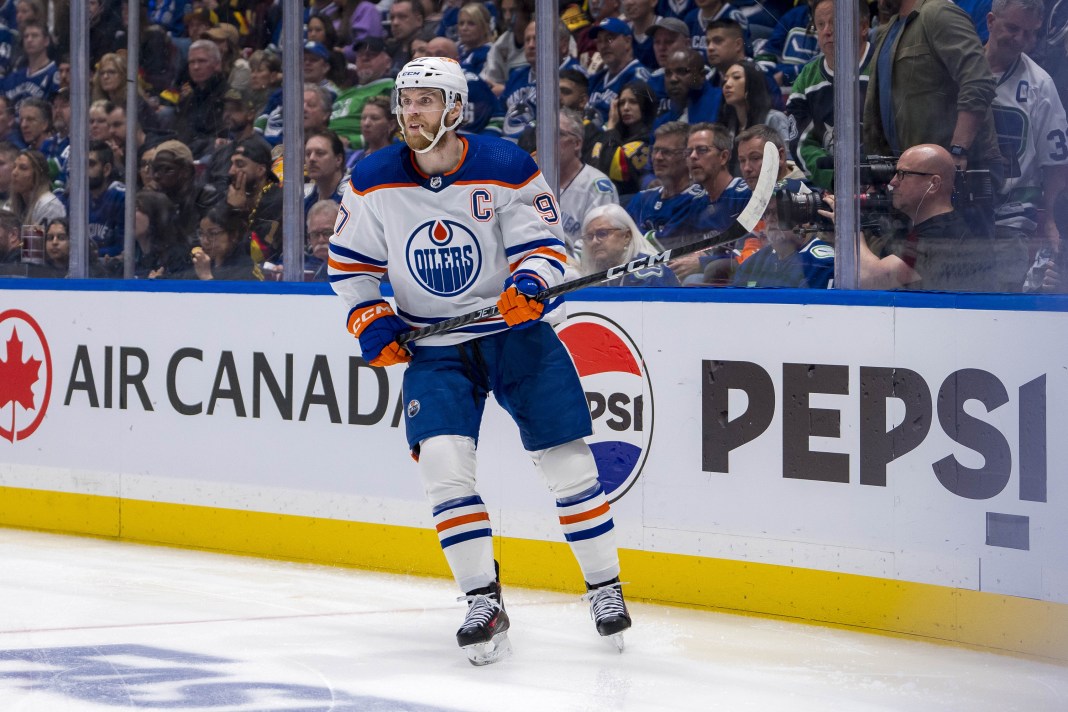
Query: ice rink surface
[{"x": 90, "y": 624}]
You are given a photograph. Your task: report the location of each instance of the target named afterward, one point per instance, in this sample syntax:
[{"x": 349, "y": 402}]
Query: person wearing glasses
[
  {"x": 621, "y": 150},
  {"x": 320, "y": 228},
  {"x": 223, "y": 252},
  {"x": 610, "y": 238},
  {"x": 940, "y": 252},
  {"x": 668, "y": 212}
]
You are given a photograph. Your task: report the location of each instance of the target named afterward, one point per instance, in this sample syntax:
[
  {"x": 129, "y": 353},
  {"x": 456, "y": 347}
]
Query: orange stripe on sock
[
  {"x": 465, "y": 519},
  {"x": 592, "y": 514}
]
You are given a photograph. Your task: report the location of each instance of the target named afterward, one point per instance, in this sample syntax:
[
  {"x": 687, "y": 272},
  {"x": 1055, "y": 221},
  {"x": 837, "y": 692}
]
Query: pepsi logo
[
  {"x": 619, "y": 394},
  {"x": 444, "y": 257},
  {"x": 25, "y": 375}
]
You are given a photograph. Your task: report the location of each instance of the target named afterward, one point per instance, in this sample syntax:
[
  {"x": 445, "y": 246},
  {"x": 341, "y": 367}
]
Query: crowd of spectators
[{"x": 665, "y": 107}]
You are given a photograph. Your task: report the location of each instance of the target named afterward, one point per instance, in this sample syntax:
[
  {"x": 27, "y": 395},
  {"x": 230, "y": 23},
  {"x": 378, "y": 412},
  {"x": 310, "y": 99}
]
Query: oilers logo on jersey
[{"x": 444, "y": 257}]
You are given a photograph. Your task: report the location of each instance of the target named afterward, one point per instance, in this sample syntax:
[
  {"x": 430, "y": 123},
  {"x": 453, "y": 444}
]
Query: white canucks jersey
[
  {"x": 1031, "y": 129},
  {"x": 446, "y": 243}
]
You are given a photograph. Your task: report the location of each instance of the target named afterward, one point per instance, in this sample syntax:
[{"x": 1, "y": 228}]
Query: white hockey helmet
[
  {"x": 439, "y": 73},
  {"x": 434, "y": 73}
]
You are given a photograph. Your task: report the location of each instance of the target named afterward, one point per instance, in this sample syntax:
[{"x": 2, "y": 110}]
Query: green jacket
[{"x": 939, "y": 68}]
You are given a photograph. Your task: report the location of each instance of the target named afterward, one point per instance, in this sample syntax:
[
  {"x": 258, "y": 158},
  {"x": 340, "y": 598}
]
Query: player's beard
[{"x": 419, "y": 139}]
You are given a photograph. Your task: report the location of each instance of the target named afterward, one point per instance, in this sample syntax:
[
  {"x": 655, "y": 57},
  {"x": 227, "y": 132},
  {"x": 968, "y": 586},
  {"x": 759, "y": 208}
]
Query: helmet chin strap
[{"x": 442, "y": 129}]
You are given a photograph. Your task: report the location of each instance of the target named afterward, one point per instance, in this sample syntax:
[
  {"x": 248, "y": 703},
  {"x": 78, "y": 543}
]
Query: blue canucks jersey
[
  {"x": 673, "y": 221},
  {"x": 811, "y": 267}
]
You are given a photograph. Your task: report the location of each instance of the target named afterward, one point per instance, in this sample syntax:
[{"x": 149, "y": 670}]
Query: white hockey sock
[
  {"x": 586, "y": 519},
  {"x": 447, "y": 466}
]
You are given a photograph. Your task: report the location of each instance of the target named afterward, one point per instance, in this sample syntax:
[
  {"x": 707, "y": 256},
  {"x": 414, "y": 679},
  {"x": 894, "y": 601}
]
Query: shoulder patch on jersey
[
  {"x": 603, "y": 185},
  {"x": 822, "y": 252}
]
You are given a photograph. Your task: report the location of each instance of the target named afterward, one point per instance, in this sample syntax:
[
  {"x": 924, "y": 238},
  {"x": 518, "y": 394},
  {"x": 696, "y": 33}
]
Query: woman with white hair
[{"x": 610, "y": 238}]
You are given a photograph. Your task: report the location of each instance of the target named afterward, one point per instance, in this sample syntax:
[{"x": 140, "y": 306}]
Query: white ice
[{"x": 92, "y": 624}]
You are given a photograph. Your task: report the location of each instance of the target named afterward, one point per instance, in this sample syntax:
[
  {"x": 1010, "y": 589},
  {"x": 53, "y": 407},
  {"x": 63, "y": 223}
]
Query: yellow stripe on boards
[{"x": 987, "y": 620}]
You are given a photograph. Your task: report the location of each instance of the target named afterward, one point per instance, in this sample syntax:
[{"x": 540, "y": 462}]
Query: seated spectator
[
  {"x": 9, "y": 130},
  {"x": 691, "y": 97},
  {"x": 792, "y": 45},
  {"x": 746, "y": 103},
  {"x": 9, "y": 42},
  {"x": 265, "y": 80},
  {"x": 320, "y": 28},
  {"x": 377, "y": 127},
  {"x": 793, "y": 258},
  {"x": 582, "y": 187},
  {"x": 57, "y": 148},
  {"x": 161, "y": 61},
  {"x": 941, "y": 252},
  {"x": 236, "y": 68},
  {"x": 223, "y": 252},
  {"x": 574, "y": 95},
  {"x": 320, "y": 224},
  {"x": 35, "y": 122},
  {"x": 613, "y": 38},
  {"x": 107, "y": 202},
  {"x": 36, "y": 75},
  {"x": 700, "y": 20},
  {"x": 255, "y": 196},
  {"x": 520, "y": 97},
  {"x": 726, "y": 47},
  {"x": 708, "y": 150},
  {"x": 318, "y": 68},
  {"x": 507, "y": 52},
  {"x": 57, "y": 250},
  {"x": 483, "y": 113},
  {"x": 8, "y": 153},
  {"x": 145, "y": 178},
  {"x": 358, "y": 21},
  {"x": 198, "y": 118},
  {"x": 811, "y": 105},
  {"x": 610, "y": 238},
  {"x": 670, "y": 35},
  {"x": 324, "y": 166},
  {"x": 161, "y": 251},
  {"x": 10, "y": 239},
  {"x": 106, "y": 31},
  {"x": 239, "y": 113},
  {"x": 641, "y": 16},
  {"x": 475, "y": 36},
  {"x": 98, "y": 120},
  {"x": 32, "y": 200},
  {"x": 407, "y": 21},
  {"x": 622, "y": 149},
  {"x": 174, "y": 175},
  {"x": 666, "y": 213},
  {"x": 749, "y": 147},
  {"x": 373, "y": 71}
]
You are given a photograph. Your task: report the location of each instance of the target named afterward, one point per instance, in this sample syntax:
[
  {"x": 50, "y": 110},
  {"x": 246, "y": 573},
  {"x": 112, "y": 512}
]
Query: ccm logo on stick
[{"x": 723, "y": 432}]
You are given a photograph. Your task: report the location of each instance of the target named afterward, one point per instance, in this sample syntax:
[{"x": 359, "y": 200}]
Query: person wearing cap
[
  {"x": 228, "y": 39},
  {"x": 641, "y": 16},
  {"x": 317, "y": 66},
  {"x": 255, "y": 195},
  {"x": 198, "y": 118},
  {"x": 173, "y": 174},
  {"x": 587, "y": 45},
  {"x": 239, "y": 115},
  {"x": 197, "y": 22},
  {"x": 670, "y": 35},
  {"x": 372, "y": 68},
  {"x": 613, "y": 37}
]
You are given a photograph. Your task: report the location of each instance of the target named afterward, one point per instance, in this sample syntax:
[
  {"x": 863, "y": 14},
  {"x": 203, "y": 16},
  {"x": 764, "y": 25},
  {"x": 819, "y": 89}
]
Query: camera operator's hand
[{"x": 828, "y": 200}]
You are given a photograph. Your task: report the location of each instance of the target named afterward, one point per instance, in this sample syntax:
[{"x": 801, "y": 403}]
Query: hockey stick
[{"x": 742, "y": 225}]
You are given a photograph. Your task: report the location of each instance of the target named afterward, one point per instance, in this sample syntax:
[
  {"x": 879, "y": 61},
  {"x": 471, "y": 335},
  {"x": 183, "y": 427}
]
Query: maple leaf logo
[{"x": 17, "y": 377}]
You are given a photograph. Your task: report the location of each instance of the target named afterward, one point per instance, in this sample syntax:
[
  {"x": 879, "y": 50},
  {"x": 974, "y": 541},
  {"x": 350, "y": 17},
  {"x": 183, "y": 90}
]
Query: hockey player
[{"x": 460, "y": 223}]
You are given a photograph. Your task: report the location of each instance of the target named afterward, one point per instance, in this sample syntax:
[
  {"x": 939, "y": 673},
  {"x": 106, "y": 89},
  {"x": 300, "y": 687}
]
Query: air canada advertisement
[{"x": 922, "y": 444}]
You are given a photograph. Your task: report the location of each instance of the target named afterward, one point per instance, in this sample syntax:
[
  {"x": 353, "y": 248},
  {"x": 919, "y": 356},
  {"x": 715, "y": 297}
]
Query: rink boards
[{"x": 893, "y": 462}]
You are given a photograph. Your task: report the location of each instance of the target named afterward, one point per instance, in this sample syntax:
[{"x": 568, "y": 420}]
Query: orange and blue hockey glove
[
  {"x": 376, "y": 326},
  {"x": 517, "y": 303}
]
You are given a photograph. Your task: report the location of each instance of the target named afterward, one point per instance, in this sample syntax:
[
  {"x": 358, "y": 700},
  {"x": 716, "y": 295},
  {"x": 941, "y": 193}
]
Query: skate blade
[
  {"x": 487, "y": 653},
  {"x": 616, "y": 641}
]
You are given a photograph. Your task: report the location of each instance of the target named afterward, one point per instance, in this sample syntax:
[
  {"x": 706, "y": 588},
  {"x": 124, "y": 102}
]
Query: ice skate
[
  {"x": 484, "y": 633},
  {"x": 608, "y": 611}
]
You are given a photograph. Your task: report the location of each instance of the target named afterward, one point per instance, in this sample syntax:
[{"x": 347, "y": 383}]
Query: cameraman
[{"x": 940, "y": 251}]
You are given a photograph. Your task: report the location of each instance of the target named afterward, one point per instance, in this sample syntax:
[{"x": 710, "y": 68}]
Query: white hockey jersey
[
  {"x": 1031, "y": 129},
  {"x": 448, "y": 242}
]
